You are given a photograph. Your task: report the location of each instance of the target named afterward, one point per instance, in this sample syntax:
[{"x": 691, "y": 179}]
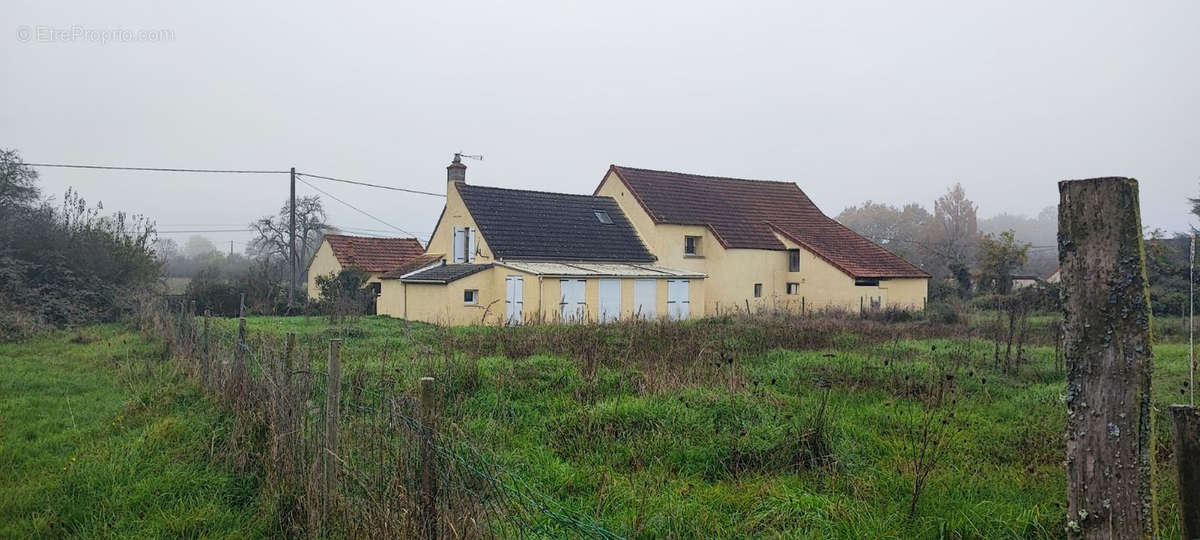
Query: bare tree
[{"x": 272, "y": 240}]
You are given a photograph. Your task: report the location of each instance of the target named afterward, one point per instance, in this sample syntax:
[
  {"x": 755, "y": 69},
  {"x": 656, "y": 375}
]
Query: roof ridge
[
  {"x": 339, "y": 235},
  {"x": 581, "y": 195},
  {"x": 709, "y": 176}
]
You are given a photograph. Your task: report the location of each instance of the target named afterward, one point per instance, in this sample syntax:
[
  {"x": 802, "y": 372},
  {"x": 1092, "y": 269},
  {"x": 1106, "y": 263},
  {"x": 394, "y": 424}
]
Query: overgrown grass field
[
  {"x": 856, "y": 438},
  {"x": 94, "y": 446}
]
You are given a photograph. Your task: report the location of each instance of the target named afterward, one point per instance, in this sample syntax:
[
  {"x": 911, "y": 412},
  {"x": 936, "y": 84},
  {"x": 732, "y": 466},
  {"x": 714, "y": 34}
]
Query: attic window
[
  {"x": 866, "y": 282},
  {"x": 603, "y": 217}
]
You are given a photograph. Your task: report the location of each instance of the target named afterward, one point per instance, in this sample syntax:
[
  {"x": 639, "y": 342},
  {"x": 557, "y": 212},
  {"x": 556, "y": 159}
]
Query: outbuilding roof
[
  {"x": 445, "y": 273},
  {"x": 749, "y": 214},
  {"x": 412, "y": 265},
  {"x": 541, "y": 226},
  {"x": 373, "y": 254}
]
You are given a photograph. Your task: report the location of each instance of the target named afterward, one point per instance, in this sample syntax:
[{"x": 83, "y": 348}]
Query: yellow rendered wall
[
  {"x": 323, "y": 263},
  {"x": 454, "y": 215},
  {"x": 442, "y": 304},
  {"x": 732, "y": 273}
]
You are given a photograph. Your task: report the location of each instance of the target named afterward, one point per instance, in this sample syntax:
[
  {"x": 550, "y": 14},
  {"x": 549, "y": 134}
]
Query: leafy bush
[{"x": 67, "y": 265}]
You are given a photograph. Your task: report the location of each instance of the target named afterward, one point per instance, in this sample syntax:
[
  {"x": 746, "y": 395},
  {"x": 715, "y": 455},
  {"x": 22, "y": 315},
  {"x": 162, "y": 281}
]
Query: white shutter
[
  {"x": 678, "y": 303},
  {"x": 645, "y": 299},
  {"x": 460, "y": 238},
  {"x": 471, "y": 244},
  {"x": 610, "y": 300}
]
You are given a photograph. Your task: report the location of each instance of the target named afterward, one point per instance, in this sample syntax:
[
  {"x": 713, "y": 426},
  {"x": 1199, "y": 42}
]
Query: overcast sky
[{"x": 889, "y": 101}]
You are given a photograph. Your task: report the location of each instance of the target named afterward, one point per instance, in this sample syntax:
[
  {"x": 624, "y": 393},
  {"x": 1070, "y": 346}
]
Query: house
[
  {"x": 762, "y": 244},
  {"x": 1054, "y": 276},
  {"x": 645, "y": 244},
  {"x": 1022, "y": 281},
  {"x": 508, "y": 256},
  {"x": 375, "y": 256}
]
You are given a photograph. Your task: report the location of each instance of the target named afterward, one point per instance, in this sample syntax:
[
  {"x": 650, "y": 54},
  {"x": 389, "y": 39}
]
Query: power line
[
  {"x": 367, "y": 184},
  {"x": 203, "y": 231},
  {"x": 355, "y": 208},
  {"x": 155, "y": 169}
]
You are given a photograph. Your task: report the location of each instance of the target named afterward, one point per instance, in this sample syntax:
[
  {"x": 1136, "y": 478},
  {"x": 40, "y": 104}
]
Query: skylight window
[{"x": 603, "y": 217}]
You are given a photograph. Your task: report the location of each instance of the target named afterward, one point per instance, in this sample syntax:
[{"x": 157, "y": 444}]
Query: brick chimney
[{"x": 456, "y": 171}]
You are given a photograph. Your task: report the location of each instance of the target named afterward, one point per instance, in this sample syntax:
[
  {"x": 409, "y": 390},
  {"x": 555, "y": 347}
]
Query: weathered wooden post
[
  {"x": 1187, "y": 449},
  {"x": 1106, "y": 335},
  {"x": 333, "y": 401},
  {"x": 237, "y": 378},
  {"x": 206, "y": 359},
  {"x": 429, "y": 466}
]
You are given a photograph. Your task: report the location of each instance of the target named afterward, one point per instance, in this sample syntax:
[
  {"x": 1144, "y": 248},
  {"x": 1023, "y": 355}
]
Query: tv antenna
[{"x": 459, "y": 155}]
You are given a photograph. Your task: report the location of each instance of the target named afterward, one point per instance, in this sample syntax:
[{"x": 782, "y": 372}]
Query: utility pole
[{"x": 292, "y": 239}]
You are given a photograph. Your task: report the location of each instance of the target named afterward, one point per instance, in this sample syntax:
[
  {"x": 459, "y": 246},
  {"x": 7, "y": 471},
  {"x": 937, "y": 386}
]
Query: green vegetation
[
  {"x": 93, "y": 446},
  {"x": 800, "y": 443}
]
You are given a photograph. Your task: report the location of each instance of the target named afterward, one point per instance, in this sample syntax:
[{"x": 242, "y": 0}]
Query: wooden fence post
[
  {"x": 1187, "y": 459},
  {"x": 207, "y": 358},
  {"x": 333, "y": 401},
  {"x": 1107, "y": 350},
  {"x": 238, "y": 370},
  {"x": 429, "y": 466}
]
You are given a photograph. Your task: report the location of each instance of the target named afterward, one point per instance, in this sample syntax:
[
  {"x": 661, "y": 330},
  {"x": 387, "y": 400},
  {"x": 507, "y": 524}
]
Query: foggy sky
[{"x": 889, "y": 101}]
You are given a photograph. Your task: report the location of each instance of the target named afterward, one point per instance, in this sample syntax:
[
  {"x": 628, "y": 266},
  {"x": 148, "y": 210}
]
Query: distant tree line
[
  {"x": 65, "y": 263},
  {"x": 969, "y": 257}
]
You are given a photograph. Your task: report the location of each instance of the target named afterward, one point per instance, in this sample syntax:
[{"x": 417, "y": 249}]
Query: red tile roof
[
  {"x": 373, "y": 254},
  {"x": 415, "y": 263},
  {"x": 748, "y": 213}
]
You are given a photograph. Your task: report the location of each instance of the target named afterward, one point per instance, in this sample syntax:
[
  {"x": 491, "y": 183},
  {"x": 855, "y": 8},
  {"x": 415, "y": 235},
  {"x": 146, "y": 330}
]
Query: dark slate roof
[
  {"x": 540, "y": 226},
  {"x": 446, "y": 273},
  {"x": 747, "y": 214},
  {"x": 373, "y": 254}
]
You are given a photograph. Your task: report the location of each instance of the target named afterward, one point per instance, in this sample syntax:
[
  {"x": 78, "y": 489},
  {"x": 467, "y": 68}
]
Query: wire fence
[{"x": 345, "y": 456}]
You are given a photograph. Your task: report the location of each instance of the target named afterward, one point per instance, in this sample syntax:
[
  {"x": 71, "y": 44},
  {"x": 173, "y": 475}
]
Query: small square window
[
  {"x": 793, "y": 260},
  {"x": 471, "y": 296},
  {"x": 603, "y": 217},
  {"x": 691, "y": 245},
  {"x": 758, "y": 290},
  {"x": 793, "y": 288}
]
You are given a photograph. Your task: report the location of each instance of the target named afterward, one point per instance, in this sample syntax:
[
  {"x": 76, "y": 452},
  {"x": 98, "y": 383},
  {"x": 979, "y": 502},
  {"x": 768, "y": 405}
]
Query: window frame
[
  {"x": 695, "y": 241},
  {"x": 793, "y": 260},
  {"x": 866, "y": 282},
  {"x": 474, "y": 301},
  {"x": 758, "y": 290},
  {"x": 793, "y": 288}
]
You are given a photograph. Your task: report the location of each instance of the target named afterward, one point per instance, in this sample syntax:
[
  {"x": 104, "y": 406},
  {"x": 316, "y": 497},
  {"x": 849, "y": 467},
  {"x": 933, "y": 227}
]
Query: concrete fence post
[{"x": 1106, "y": 344}]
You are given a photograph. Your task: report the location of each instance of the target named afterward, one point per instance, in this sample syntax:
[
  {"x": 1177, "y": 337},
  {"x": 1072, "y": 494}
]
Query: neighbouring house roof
[
  {"x": 541, "y": 226},
  {"x": 373, "y": 254},
  {"x": 589, "y": 269},
  {"x": 747, "y": 214},
  {"x": 413, "y": 264},
  {"x": 445, "y": 273}
]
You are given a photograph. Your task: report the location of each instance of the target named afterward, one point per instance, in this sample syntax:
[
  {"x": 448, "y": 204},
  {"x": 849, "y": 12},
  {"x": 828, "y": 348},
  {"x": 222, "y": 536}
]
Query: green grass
[
  {"x": 726, "y": 457},
  {"x": 90, "y": 446}
]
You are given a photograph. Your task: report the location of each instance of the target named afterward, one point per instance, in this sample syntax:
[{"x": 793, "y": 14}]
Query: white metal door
[
  {"x": 514, "y": 300},
  {"x": 645, "y": 299},
  {"x": 572, "y": 303},
  {"x": 678, "y": 304},
  {"x": 610, "y": 300}
]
